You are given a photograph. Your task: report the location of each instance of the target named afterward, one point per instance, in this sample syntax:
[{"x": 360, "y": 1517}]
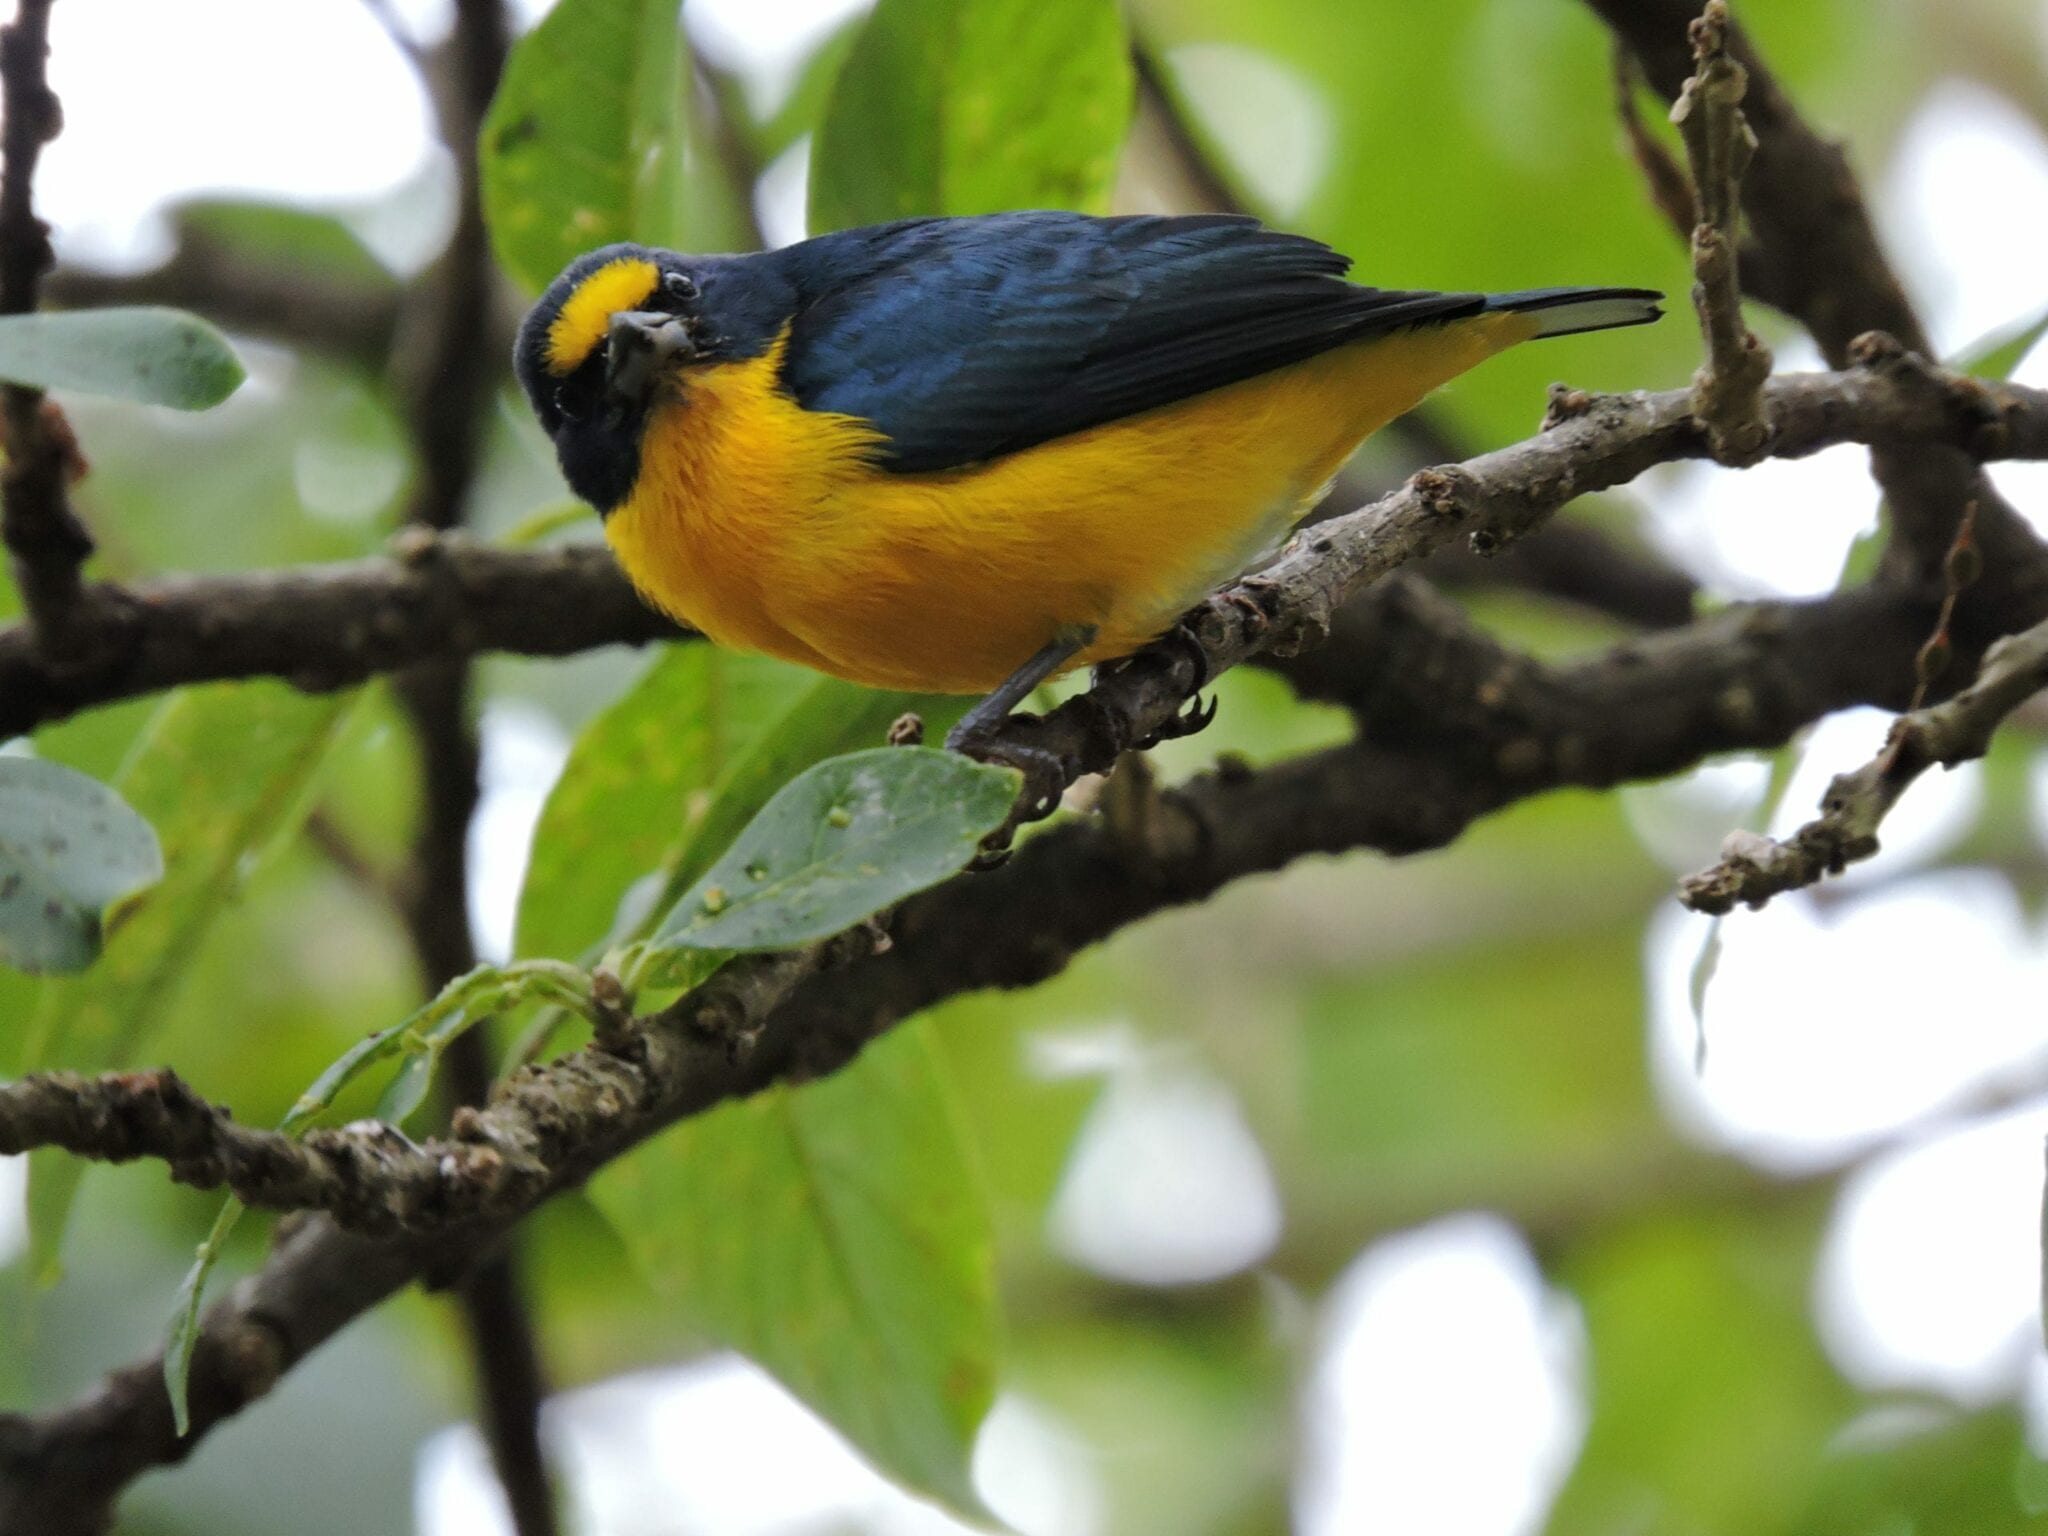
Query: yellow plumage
[{"x": 770, "y": 528}]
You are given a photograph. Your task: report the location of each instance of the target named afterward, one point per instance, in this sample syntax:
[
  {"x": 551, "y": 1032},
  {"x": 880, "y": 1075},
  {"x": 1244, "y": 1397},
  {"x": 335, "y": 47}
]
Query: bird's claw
[
  {"x": 1045, "y": 783},
  {"x": 1195, "y": 717}
]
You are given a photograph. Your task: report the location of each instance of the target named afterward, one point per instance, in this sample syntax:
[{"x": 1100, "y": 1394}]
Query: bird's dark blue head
[{"x": 615, "y": 335}]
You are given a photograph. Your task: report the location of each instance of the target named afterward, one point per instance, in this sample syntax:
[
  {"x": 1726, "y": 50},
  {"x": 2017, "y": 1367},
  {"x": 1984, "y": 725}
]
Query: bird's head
[{"x": 613, "y": 336}]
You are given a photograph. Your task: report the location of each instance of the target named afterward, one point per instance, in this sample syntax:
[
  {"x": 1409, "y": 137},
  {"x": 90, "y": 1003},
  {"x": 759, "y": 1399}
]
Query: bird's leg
[{"x": 975, "y": 735}]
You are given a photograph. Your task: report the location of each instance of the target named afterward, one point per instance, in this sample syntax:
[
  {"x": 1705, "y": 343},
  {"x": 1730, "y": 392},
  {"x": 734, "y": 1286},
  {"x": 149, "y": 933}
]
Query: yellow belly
[{"x": 769, "y": 528}]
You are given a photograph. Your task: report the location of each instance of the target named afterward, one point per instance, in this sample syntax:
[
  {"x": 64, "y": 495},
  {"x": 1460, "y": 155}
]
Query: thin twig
[
  {"x": 1753, "y": 869},
  {"x": 1814, "y": 254},
  {"x": 1728, "y": 389}
]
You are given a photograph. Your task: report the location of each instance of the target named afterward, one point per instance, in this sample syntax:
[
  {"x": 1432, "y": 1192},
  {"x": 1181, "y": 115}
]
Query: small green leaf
[
  {"x": 974, "y": 106},
  {"x": 1997, "y": 355},
  {"x": 281, "y": 235},
  {"x": 583, "y": 144},
  {"x": 184, "y": 1334},
  {"x": 148, "y": 354},
  {"x": 862, "y": 1274},
  {"x": 842, "y": 841},
  {"x": 69, "y": 849}
]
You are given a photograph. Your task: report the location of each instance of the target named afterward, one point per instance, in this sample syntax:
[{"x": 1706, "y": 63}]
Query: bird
[{"x": 966, "y": 454}]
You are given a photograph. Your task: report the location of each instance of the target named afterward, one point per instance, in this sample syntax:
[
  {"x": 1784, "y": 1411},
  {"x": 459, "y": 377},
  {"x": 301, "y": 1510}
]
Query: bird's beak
[{"x": 640, "y": 346}]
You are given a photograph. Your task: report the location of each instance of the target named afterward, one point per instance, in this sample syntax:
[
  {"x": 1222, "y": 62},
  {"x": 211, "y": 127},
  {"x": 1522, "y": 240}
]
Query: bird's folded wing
[{"x": 962, "y": 340}]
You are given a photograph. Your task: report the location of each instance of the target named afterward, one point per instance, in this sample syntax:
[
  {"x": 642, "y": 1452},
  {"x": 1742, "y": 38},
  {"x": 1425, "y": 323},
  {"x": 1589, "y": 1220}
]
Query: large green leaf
[
  {"x": 69, "y": 849},
  {"x": 1712, "y": 1406},
  {"x": 974, "y": 106},
  {"x": 221, "y": 773},
  {"x": 583, "y": 144},
  {"x": 639, "y": 779},
  {"x": 836, "y": 1234},
  {"x": 840, "y": 842},
  {"x": 145, "y": 353}
]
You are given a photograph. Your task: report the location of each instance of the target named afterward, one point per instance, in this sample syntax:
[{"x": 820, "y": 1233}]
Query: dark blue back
[{"x": 964, "y": 339}]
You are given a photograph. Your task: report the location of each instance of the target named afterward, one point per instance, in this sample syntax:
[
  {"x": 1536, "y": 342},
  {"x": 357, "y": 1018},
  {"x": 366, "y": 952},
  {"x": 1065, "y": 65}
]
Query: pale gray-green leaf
[
  {"x": 148, "y": 354},
  {"x": 69, "y": 849}
]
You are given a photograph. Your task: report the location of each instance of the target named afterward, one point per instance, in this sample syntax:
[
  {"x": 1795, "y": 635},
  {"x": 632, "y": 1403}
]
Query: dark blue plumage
[{"x": 964, "y": 339}]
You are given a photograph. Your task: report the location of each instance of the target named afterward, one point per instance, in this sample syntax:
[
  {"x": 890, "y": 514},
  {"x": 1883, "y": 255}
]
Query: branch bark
[
  {"x": 1816, "y": 256},
  {"x": 42, "y": 533}
]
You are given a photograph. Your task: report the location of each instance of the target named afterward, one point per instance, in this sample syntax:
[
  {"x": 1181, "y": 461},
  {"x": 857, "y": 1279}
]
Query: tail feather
[{"x": 1568, "y": 311}]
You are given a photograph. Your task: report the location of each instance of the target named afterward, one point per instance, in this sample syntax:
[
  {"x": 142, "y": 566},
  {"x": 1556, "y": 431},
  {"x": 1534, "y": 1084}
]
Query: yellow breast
[{"x": 770, "y": 527}]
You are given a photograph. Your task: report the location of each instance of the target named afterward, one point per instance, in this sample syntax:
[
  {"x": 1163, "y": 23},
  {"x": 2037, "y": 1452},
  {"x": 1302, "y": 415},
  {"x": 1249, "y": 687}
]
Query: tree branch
[
  {"x": 1728, "y": 390},
  {"x": 1753, "y": 869},
  {"x": 1816, "y": 256},
  {"x": 43, "y": 535}
]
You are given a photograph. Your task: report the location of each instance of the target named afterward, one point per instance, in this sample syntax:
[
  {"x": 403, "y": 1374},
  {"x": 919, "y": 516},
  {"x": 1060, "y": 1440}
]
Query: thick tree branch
[{"x": 330, "y": 626}]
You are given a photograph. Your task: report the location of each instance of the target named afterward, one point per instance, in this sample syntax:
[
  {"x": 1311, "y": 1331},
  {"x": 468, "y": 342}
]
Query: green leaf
[
  {"x": 222, "y": 773},
  {"x": 1713, "y": 1409},
  {"x": 69, "y": 849},
  {"x": 146, "y": 353},
  {"x": 584, "y": 142},
  {"x": 842, "y": 841},
  {"x": 1997, "y": 355},
  {"x": 638, "y": 781},
  {"x": 184, "y": 1332},
  {"x": 283, "y": 235},
  {"x": 974, "y": 106},
  {"x": 860, "y": 1268}
]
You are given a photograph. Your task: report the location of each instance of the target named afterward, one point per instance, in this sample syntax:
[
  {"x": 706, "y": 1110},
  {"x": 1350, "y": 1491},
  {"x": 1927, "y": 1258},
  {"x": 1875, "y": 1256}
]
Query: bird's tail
[{"x": 1567, "y": 311}]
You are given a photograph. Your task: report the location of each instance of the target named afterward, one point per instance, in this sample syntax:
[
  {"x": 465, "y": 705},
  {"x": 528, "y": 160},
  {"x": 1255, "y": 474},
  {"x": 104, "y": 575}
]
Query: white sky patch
[
  {"x": 782, "y": 196},
  {"x": 1682, "y": 820},
  {"x": 1270, "y": 120},
  {"x": 1166, "y": 1183},
  {"x": 1964, "y": 209},
  {"x": 1831, "y": 1022},
  {"x": 307, "y": 100},
  {"x": 13, "y": 1208},
  {"x": 523, "y": 753},
  {"x": 718, "y": 1448},
  {"x": 765, "y": 44},
  {"x": 1931, "y": 1274},
  {"x": 1447, "y": 1399}
]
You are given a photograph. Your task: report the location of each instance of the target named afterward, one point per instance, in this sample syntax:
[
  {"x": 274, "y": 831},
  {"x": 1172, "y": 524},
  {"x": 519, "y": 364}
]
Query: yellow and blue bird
[{"x": 962, "y": 455}]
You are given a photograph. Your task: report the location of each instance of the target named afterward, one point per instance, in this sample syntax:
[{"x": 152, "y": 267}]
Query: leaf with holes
[
  {"x": 70, "y": 849},
  {"x": 148, "y": 354},
  {"x": 840, "y": 842}
]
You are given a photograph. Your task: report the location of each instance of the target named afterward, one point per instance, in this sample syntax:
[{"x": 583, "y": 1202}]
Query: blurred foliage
[{"x": 1464, "y": 1030}]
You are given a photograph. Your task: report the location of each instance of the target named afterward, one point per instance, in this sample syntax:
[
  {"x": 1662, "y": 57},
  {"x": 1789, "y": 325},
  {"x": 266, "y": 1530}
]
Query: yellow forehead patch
[{"x": 587, "y": 313}]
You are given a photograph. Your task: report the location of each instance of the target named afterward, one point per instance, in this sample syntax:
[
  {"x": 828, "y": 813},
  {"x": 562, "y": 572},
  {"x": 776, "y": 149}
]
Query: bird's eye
[
  {"x": 679, "y": 286},
  {"x": 567, "y": 404}
]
